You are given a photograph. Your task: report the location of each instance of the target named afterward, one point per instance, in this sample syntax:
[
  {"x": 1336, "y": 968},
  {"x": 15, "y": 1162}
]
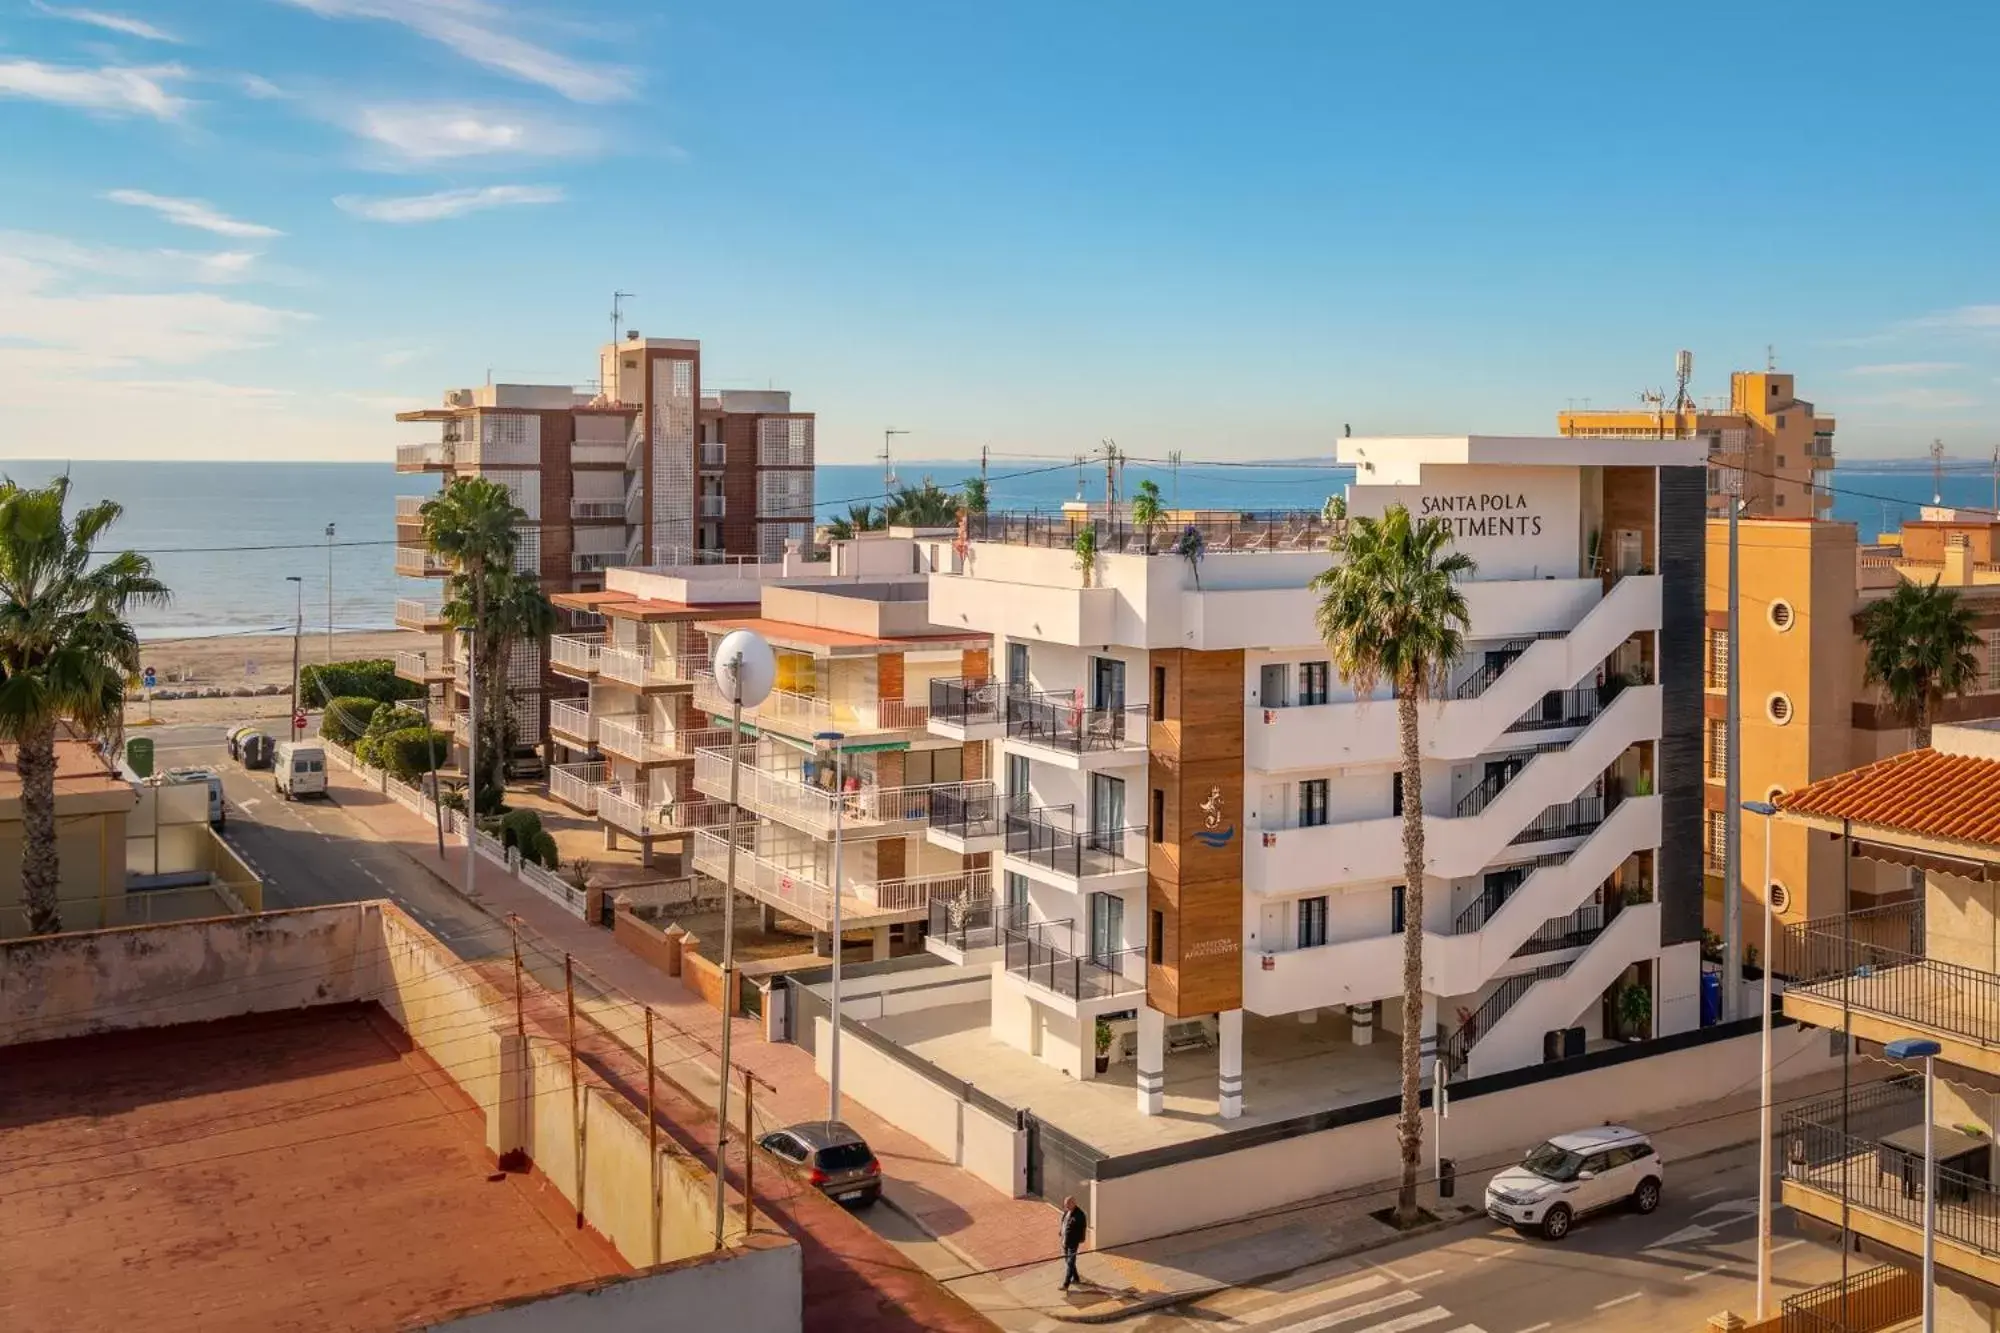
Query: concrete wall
[
  {"x": 993, "y": 1150},
  {"x": 1500, "y": 1124},
  {"x": 188, "y": 972},
  {"x": 756, "y": 1290}
]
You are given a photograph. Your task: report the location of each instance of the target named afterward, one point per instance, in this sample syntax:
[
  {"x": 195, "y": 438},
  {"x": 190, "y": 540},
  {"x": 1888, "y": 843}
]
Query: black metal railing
[
  {"x": 1477, "y": 799},
  {"x": 1560, "y": 708},
  {"x": 1479, "y": 681},
  {"x": 1059, "y": 720},
  {"x": 1455, "y": 1047},
  {"x": 1035, "y": 957},
  {"x": 1863, "y": 1302},
  {"x": 1574, "y": 931},
  {"x": 1222, "y": 531},
  {"x": 1571, "y": 819},
  {"x": 969, "y": 920},
  {"x": 1848, "y": 1159},
  {"x": 1481, "y": 909},
  {"x": 1047, "y": 836},
  {"x": 1835, "y": 946},
  {"x": 968, "y": 700},
  {"x": 970, "y": 811}
]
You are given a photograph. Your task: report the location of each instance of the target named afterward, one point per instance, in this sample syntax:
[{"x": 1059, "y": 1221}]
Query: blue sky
[{"x": 254, "y": 228}]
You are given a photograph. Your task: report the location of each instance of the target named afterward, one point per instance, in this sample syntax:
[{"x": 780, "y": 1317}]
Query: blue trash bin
[{"x": 1711, "y": 998}]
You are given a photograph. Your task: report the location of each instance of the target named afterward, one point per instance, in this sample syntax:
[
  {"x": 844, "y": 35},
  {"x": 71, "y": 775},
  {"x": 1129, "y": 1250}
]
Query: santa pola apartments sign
[{"x": 1483, "y": 514}]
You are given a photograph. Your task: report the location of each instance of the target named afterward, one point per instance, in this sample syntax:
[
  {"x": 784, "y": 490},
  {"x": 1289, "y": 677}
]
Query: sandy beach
[{"x": 248, "y": 661}]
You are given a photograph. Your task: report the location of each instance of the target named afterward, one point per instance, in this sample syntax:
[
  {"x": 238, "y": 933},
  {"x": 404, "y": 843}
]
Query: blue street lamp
[
  {"x": 1913, "y": 1048},
  {"x": 1770, "y": 814}
]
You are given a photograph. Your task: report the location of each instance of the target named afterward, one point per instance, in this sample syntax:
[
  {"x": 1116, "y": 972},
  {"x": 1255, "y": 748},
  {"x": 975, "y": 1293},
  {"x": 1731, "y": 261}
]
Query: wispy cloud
[
  {"x": 118, "y": 89},
  {"x": 1961, "y": 319},
  {"x": 213, "y": 268},
  {"x": 119, "y": 23},
  {"x": 47, "y": 314},
  {"x": 1906, "y": 369},
  {"x": 418, "y": 134},
  {"x": 1918, "y": 398},
  {"x": 196, "y": 213},
  {"x": 487, "y": 34},
  {"x": 259, "y": 87},
  {"x": 396, "y": 357},
  {"x": 448, "y": 203}
]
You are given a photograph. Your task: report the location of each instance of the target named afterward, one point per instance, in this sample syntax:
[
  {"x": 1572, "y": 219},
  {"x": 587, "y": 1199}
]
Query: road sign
[
  {"x": 298, "y": 721},
  {"x": 150, "y": 679}
]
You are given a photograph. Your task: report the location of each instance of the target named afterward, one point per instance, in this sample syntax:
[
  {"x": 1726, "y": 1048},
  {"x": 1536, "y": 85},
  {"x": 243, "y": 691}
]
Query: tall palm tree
[
  {"x": 1146, "y": 509},
  {"x": 66, "y": 650},
  {"x": 471, "y": 524},
  {"x": 1391, "y": 607},
  {"x": 928, "y": 506},
  {"x": 859, "y": 518},
  {"x": 972, "y": 495},
  {"x": 517, "y": 612},
  {"x": 1919, "y": 641}
]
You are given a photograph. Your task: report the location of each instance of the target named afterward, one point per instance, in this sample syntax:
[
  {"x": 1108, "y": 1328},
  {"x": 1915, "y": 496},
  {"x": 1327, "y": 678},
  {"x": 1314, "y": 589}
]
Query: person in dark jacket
[{"x": 1074, "y": 1223}]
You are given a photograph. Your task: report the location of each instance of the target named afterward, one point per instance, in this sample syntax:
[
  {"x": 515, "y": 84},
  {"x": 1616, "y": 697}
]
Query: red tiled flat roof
[
  {"x": 1925, "y": 792},
  {"x": 785, "y": 631}
]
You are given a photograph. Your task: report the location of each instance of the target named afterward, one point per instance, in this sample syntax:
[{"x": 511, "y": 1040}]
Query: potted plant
[
  {"x": 1085, "y": 546},
  {"x": 1191, "y": 546},
  {"x": 1146, "y": 510},
  {"x": 1103, "y": 1045},
  {"x": 1635, "y": 1011}
]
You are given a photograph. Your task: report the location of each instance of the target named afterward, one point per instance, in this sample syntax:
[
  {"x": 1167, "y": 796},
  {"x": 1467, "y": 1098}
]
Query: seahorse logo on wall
[{"x": 1213, "y": 835}]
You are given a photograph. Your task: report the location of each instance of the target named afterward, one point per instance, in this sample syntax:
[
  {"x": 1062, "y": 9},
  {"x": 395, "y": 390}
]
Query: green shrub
[
  {"x": 347, "y": 717},
  {"x": 388, "y": 719},
  {"x": 411, "y": 752},
  {"x": 518, "y": 829},
  {"x": 369, "y": 678},
  {"x": 545, "y": 850}
]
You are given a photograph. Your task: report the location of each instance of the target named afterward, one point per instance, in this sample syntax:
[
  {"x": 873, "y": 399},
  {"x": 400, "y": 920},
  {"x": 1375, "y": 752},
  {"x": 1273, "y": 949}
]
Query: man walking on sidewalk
[{"x": 1074, "y": 1223}]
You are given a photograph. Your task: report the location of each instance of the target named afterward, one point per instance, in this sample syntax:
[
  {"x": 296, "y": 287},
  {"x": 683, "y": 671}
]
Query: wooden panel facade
[{"x": 1194, "y": 878}]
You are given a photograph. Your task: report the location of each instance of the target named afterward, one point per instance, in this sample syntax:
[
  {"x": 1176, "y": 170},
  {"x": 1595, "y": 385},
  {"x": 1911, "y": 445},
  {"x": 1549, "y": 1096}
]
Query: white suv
[{"x": 1575, "y": 1174}]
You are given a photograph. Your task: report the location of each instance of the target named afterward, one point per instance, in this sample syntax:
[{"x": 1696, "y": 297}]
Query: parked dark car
[{"x": 837, "y": 1160}]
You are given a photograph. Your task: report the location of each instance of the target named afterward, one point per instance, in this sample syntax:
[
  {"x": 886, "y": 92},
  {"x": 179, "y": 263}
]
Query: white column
[
  {"x": 1151, "y": 1060},
  {"x": 1361, "y": 1023},
  {"x": 1229, "y": 1075},
  {"x": 880, "y": 940}
]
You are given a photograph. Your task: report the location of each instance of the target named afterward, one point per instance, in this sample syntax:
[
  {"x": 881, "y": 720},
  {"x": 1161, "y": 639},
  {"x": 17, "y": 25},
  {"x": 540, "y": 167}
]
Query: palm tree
[
  {"x": 1146, "y": 510},
  {"x": 516, "y": 612},
  {"x": 1919, "y": 641},
  {"x": 972, "y": 495},
  {"x": 930, "y": 506},
  {"x": 860, "y": 518},
  {"x": 66, "y": 650},
  {"x": 1392, "y": 608},
  {"x": 472, "y": 525}
]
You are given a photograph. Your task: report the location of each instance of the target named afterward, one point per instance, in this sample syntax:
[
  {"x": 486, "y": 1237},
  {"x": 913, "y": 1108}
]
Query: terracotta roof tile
[{"x": 1940, "y": 795}]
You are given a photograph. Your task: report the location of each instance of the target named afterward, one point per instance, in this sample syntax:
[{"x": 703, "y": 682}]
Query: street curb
[{"x": 973, "y": 1267}]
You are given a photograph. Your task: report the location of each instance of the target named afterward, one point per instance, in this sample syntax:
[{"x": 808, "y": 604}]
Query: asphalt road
[{"x": 1668, "y": 1272}]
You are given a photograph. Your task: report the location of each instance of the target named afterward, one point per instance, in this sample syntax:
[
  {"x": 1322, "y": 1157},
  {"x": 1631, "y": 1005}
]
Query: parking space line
[
  {"x": 1622, "y": 1300},
  {"x": 1713, "y": 1268}
]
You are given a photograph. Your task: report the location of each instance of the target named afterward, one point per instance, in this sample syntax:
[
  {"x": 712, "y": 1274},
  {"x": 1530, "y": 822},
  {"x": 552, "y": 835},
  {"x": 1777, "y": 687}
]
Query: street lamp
[
  {"x": 1912, "y": 1048},
  {"x": 1770, "y": 814},
  {"x": 745, "y": 671},
  {"x": 298, "y": 627},
  {"x": 833, "y": 740}
]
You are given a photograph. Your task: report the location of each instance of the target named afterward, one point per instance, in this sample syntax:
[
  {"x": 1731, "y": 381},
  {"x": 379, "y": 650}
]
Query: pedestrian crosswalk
[{"x": 1372, "y": 1303}]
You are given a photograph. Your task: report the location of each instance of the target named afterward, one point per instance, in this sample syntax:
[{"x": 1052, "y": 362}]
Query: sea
[{"x": 226, "y": 537}]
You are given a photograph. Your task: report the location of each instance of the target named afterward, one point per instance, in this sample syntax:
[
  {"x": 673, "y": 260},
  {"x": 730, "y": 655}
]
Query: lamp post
[
  {"x": 1911, "y": 1048},
  {"x": 745, "y": 671},
  {"x": 329, "y": 592},
  {"x": 298, "y": 628},
  {"x": 833, "y": 740},
  {"x": 1770, "y": 814}
]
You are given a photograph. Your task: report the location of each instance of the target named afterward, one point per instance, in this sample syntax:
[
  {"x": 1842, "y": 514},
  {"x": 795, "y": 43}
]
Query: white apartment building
[
  {"x": 1197, "y": 824},
  {"x": 648, "y": 746}
]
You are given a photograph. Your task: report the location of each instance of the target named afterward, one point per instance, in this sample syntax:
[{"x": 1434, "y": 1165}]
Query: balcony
[
  {"x": 968, "y": 708},
  {"x": 596, "y": 562},
  {"x": 409, "y": 509},
  {"x": 803, "y": 715},
  {"x": 640, "y": 669},
  {"x": 436, "y": 456},
  {"x": 1055, "y": 725},
  {"x": 630, "y": 808},
  {"x": 576, "y": 655},
  {"x": 572, "y": 723},
  {"x": 576, "y": 785},
  {"x": 1045, "y": 844},
  {"x": 418, "y": 562},
  {"x": 1861, "y": 1162},
  {"x": 414, "y": 613},
  {"x": 967, "y": 817},
  {"x": 714, "y": 506},
  {"x": 963, "y": 924},
  {"x": 640, "y": 742},
  {"x": 597, "y": 511},
  {"x": 421, "y": 668},
  {"x": 1033, "y": 955},
  {"x": 785, "y": 796},
  {"x": 714, "y": 454},
  {"x": 795, "y": 890},
  {"x": 597, "y": 453}
]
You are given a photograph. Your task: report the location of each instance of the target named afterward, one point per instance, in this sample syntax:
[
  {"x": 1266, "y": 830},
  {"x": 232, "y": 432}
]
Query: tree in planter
[
  {"x": 1103, "y": 1036},
  {"x": 1085, "y": 546},
  {"x": 1146, "y": 510},
  {"x": 1634, "y": 1007},
  {"x": 1392, "y": 608},
  {"x": 66, "y": 651},
  {"x": 1191, "y": 546}
]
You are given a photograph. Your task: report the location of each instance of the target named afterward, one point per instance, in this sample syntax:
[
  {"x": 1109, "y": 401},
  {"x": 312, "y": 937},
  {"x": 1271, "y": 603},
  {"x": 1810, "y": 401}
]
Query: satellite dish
[{"x": 745, "y": 668}]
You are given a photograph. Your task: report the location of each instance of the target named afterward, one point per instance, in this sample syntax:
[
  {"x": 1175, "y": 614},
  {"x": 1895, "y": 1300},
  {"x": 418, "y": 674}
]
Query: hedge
[
  {"x": 405, "y": 753},
  {"x": 368, "y": 678},
  {"x": 347, "y": 717}
]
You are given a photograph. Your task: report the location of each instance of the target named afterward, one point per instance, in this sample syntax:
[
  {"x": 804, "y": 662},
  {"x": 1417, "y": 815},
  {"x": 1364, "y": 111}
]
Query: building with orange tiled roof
[{"x": 1926, "y": 965}]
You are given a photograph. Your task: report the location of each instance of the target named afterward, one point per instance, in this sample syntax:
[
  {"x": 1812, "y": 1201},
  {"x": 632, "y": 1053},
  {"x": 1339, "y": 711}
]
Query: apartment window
[
  {"x": 1396, "y": 793},
  {"x": 1107, "y": 925},
  {"x": 1017, "y": 780},
  {"x": 924, "y": 768},
  {"x": 1159, "y": 815},
  {"x": 1781, "y": 499},
  {"x": 1017, "y": 898},
  {"x": 1718, "y": 748},
  {"x": 1312, "y": 922},
  {"x": 1107, "y": 683},
  {"x": 1159, "y": 693},
  {"x": 1717, "y": 838},
  {"x": 1396, "y": 910},
  {"x": 1156, "y": 938},
  {"x": 1017, "y": 665},
  {"x": 1993, "y": 659},
  {"x": 1312, "y": 802},
  {"x": 1781, "y": 426},
  {"x": 1718, "y": 659},
  {"x": 1781, "y": 457},
  {"x": 1314, "y": 678}
]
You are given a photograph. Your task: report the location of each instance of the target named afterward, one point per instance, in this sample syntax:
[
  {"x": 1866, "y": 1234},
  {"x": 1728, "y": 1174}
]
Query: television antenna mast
[
  {"x": 618, "y": 300},
  {"x": 1683, "y": 403},
  {"x": 1937, "y": 472},
  {"x": 889, "y": 468}
]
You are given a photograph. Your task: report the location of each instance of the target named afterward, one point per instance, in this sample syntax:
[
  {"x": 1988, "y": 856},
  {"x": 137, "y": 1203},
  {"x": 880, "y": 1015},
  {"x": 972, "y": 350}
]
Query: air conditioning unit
[{"x": 458, "y": 398}]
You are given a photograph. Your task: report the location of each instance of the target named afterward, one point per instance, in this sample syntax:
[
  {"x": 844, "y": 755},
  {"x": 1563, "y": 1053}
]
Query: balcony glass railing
[
  {"x": 969, "y": 810},
  {"x": 968, "y": 701},
  {"x": 1047, "y": 837},
  {"x": 796, "y": 889},
  {"x": 1033, "y": 954},
  {"x": 967, "y": 921},
  {"x": 1058, "y": 720},
  {"x": 799, "y": 712},
  {"x": 786, "y": 796}
]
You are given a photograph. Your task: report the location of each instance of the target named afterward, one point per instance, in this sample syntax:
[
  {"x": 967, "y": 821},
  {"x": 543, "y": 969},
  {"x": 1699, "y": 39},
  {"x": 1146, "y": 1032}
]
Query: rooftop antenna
[
  {"x": 1996, "y": 481},
  {"x": 1683, "y": 373},
  {"x": 1112, "y": 459},
  {"x": 618, "y": 300},
  {"x": 1656, "y": 400},
  {"x": 888, "y": 468},
  {"x": 1770, "y": 356},
  {"x": 1937, "y": 472},
  {"x": 1079, "y": 476}
]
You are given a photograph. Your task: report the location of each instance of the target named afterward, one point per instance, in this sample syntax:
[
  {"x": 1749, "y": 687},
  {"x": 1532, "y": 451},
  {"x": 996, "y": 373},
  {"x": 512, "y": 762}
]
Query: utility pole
[
  {"x": 1937, "y": 472},
  {"x": 1174, "y": 461},
  {"x": 329, "y": 592},
  {"x": 1732, "y": 852},
  {"x": 889, "y": 468},
  {"x": 1996, "y": 479},
  {"x": 298, "y": 628},
  {"x": 1110, "y": 476}
]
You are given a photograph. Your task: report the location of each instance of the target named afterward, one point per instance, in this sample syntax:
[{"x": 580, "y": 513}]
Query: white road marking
[
  {"x": 1402, "y": 1325},
  {"x": 1425, "y": 1277},
  {"x": 1682, "y": 1237},
  {"x": 1775, "y": 1249},
  {"x": 371, "y": 874},
  {"x": 1622, "y": 1300},
  {"x": 1703, "y": 1194},
  {"x": 1311, "y": 1300},
  {"x": 1393, "y": 1301},
  {"x": 1532, "y": 1328},
  {"x": 1713, "y": 1268}
]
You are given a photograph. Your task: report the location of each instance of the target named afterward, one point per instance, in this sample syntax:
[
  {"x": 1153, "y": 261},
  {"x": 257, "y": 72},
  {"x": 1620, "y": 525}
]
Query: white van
[
  {"x": 298, "y": 768},
  {"x": 218, "y": 811}
]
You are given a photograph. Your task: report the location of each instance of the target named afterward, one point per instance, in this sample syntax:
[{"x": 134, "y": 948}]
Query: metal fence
[
  {"x": 1861, "y": 1303},
  {"x": 972, "y": 810},
  {"x": 1839, "y": 946},
  {"x": 1057, "y": 719},
  {"x": 1223, "y": 532},
  {"x": 968, "y": 701},
  {"x": 1560, "y": 708},
  {"x": 1047, "y": 836},
  {"x": 1032, "y": 956},
  {"x": 1571, "y": 819}
]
